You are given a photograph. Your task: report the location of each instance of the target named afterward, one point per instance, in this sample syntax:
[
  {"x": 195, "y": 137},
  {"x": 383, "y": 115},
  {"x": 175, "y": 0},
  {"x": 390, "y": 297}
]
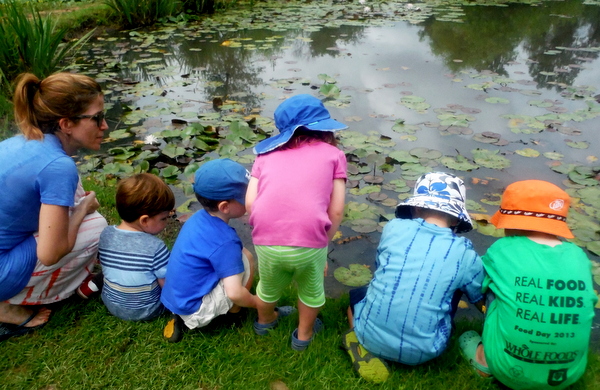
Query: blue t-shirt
[
  {"x": 131, "y": 263},
  {"x": 405, "y": 315},
  {"x": 31, "y": 173},
  {"x": 206, "y": 250}
]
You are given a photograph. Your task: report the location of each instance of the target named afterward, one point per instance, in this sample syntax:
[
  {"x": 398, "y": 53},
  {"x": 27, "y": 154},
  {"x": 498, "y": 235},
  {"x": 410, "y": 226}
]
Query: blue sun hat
[
  {"x": 298, "y": 111},
  {"x": 442, "y": 192}
]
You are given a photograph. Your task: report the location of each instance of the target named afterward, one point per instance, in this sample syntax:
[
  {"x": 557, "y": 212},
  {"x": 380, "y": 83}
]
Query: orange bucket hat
[{"x": 534, "y": 205}]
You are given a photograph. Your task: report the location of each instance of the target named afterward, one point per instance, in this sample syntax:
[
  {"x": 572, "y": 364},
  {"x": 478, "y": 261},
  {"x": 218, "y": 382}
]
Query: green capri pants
[{"x": 278, "y": 266}]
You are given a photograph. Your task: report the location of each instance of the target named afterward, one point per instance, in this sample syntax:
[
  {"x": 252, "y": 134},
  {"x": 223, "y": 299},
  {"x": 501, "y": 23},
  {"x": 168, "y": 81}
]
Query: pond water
[{"x": 493, "y": 93}]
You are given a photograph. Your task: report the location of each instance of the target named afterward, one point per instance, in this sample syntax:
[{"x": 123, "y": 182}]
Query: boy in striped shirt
[{"x": 134, "y": 261}]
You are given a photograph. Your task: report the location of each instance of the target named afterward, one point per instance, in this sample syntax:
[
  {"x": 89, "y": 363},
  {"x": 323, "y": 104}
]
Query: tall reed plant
[
  {"x": 31, "y": 42},
  {"x": 135, "y": 13}
]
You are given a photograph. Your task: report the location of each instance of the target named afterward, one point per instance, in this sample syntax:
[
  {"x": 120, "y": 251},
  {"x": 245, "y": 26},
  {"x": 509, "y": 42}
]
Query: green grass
[{"x": 84, "y": 347}]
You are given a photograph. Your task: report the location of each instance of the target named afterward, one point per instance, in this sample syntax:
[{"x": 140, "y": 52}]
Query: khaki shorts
[{"x": 215, "y": 303}]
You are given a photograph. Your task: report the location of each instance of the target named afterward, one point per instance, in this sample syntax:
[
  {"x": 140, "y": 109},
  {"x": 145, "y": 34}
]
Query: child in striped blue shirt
[{"x": 134, "y": 261}]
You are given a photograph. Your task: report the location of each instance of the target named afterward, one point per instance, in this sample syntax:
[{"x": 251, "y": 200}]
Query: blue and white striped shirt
[{"x": 132, "y": 262}]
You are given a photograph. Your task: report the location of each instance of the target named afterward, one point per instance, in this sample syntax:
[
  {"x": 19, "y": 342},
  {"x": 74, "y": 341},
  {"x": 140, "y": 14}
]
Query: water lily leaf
[
  {"x": 364, "y": 225},
  {"x": 459, "y": 163},
  {"x": 330, "y": 90},
  {"x": 355, "y": 275},
  {"x": 590, "y": 196},
  {"x": 373, "y": 179},
  {"x": 146, "y": 155},
  {"x": 487, "y": 229},
  {"x": 120, "y": 134},
  {"x": 497, "y": 100},
  {"x": 403, "y": 156},
  {"x": 426, "y": 153},
  {"x": 365, "y": 190},
  {"x": 171, "y": 133},
  {"x": 403, "y": 128},
  {"x": 540, "y": 103},
  {"x": 326, "y": 78},
  {"x": 143, "y": 166},
  {"x": 474, "y": 206},
  {"x": 486, "y": 140},
  {"x": 527, "y": 152},
  {"x": 594, "y": 247},
  {"x": 191, "y": 169},
  {"x": 185, "y": 206},
  {"x": 117, "y": 168},
  {"x": 490, "y": 159},
  {"x": 170, "y": 171},
  {"x": 554, "y": 156},
  {"x": 578, "y": 145},
  {"x": 582, "y": 179},
  {"x": 173, "y": 151},
  {"x": 564, "y": 168},
  {"x": 377, "y": 196}
]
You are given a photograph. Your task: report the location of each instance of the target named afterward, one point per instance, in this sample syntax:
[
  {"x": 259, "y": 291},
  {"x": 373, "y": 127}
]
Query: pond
[{"x": 493, "y": 92}]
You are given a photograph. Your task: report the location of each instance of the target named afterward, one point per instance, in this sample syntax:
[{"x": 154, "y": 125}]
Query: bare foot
[
  {"x": 40, "y": 318},
  {"x": 480, "y": 358},
  {"x": 16, "y": 315}
]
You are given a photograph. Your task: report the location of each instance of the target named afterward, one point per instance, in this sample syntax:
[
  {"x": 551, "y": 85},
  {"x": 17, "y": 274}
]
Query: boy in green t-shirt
[{"x": 540, "y": 294}]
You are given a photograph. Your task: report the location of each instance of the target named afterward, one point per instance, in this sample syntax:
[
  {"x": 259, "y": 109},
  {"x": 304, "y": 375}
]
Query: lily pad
[
  {"x": 497, "y": 100},
  {"x": 459, "y": 163},
  {"x": 490, "y": 159},
  {"x": 527, "y": 152},
  {"x": 355, "y": 275}
]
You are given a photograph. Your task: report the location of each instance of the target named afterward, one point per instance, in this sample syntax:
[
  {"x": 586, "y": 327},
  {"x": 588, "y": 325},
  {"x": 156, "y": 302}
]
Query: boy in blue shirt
[
  {"x": 210, "y": 273},
  {"x": 423, "y": 268}
]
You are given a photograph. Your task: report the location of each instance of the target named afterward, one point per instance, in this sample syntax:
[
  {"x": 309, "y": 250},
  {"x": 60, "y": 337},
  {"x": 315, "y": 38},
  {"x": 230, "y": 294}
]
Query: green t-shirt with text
[{"x": 537, "y": 330}]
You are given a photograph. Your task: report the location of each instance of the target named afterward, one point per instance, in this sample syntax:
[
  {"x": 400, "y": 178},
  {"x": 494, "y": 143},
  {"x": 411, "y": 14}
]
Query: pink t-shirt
[{"x": 294, "y": 191}]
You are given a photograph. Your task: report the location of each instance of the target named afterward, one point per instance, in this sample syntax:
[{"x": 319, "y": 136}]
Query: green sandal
[
  {"x": 468, "y": 342},
  {"x": 368, "y": 366}
]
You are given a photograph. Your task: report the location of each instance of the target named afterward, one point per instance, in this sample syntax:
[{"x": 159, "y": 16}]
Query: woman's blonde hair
[{"x": 40, "y": 104}]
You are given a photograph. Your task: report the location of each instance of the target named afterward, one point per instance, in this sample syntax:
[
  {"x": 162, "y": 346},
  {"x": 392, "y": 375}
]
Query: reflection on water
[{"x": 518, "y": 53}]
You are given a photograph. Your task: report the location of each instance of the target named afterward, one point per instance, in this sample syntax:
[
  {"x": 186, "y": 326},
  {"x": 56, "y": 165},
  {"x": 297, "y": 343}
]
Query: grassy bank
[{"x": 84, "y": 347}]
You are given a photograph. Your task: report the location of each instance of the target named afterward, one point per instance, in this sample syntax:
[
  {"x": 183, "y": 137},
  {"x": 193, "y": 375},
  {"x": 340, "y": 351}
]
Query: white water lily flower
[
  {"x": 367, "y": 9},
  {"x": 409, "y": 6},
  {"x": 362, "y": 1},
  {"x": 150, "y": 139}
]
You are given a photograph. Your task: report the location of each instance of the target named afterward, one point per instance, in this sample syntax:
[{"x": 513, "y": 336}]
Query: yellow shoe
[
  {"x": 173, "y": 331},
  {"x": 368, "y": 366}
]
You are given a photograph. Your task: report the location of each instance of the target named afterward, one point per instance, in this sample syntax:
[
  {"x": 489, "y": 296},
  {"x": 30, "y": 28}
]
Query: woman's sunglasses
[{"x": 98, "y": 118}]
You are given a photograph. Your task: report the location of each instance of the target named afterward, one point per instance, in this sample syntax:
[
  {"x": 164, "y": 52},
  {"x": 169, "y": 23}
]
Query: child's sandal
[
  {"x": 301, "y": 345},
  {"x": 263, "y": 329},
  {"x": 468, "y": 342}
]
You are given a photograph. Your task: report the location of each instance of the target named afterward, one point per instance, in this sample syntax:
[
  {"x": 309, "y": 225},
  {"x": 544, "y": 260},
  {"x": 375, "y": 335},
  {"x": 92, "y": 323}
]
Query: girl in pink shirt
[{"x": 295, "y": 200}]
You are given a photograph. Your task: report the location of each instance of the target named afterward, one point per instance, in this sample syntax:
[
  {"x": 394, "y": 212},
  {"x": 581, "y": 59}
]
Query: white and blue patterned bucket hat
[{"x": 442, "y": 192}]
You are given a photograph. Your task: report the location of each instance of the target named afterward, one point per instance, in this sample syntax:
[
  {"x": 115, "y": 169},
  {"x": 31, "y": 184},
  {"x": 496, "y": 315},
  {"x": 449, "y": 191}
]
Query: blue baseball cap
[
  {"x": 298, "y": 111},
  {"x": 222, "y": 179}
]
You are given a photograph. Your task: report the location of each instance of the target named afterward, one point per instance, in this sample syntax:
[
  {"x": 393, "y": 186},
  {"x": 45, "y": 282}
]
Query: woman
[{"x": 49, "y": 226}]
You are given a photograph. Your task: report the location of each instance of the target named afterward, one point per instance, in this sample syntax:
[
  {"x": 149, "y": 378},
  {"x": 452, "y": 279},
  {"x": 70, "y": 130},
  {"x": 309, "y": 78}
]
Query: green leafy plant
[
  {"x": 31, "y": 42},
  {"x": 134, "y": 13}
]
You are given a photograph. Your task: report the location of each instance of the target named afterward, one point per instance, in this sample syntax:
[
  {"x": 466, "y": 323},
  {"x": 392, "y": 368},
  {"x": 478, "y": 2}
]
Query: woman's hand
[{"x": 89, "y": 202}]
